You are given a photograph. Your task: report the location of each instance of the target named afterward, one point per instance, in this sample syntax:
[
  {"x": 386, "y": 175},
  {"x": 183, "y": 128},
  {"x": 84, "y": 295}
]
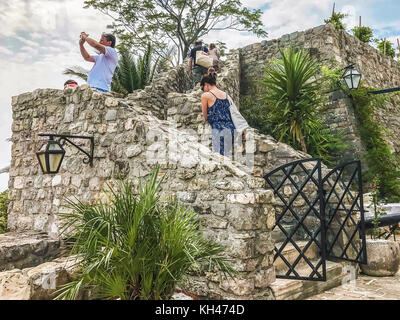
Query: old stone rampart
[
  {"x": 334, "y": 48},
  {"x": 160, "y": 125}
]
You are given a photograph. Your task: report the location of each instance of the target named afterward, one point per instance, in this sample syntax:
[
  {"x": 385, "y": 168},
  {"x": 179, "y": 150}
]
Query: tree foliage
[
  {"x": 135, "y": 246},
  {"x": 180, "y": 22},
  {"x": 365, "y": 34},
  {"x": 382, "y": 163},
  {"x": 387, "y": 48},
  {"x": 337, "y": 20}
]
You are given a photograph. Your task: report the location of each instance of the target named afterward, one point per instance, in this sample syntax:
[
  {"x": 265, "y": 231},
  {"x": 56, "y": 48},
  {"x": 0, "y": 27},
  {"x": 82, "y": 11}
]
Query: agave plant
[
  {"x": 292, "y": 95},
  {"x": 136, "y": 247},
  {"x": 130, "y": 74},
  {"x": 293, "y": 102}
]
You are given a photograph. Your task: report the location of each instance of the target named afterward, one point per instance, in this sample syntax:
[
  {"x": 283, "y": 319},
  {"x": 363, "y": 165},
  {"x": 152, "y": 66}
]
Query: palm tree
[
  {"x": 136, "y": 247},
  {"x": 130, "y": 74}
]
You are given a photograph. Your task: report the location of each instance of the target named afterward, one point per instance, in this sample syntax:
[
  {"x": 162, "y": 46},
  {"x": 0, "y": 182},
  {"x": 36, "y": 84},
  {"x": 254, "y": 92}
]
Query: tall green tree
[
  {"x": 180, "y": 22},
  {"x": 3, "y": 210}
]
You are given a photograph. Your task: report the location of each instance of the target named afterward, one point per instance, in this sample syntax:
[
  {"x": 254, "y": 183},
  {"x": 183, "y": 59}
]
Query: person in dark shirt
[{"x": 198, "y": 71}]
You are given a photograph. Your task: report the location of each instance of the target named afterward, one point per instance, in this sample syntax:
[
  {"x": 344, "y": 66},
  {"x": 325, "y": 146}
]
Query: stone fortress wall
[
  {"x": 129, "y": 142},
  {"x": 334, "y": 48},
  {"x": 159, "y": 125}
]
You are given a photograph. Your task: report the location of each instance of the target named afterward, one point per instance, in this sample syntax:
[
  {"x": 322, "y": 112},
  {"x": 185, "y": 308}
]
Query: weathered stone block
[
  {"x": 237, "y": 286},
  {"x": 186, "y": 196},
  {"x": 242, "y": 198},
  {"x": 263, "y": 278}
]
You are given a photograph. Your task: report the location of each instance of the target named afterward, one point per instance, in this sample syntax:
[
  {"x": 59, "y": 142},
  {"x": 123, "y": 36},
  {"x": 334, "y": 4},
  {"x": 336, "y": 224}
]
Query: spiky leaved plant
[
  {"x": 135, "y": 246},
  {"x": 293, "y": 101}
]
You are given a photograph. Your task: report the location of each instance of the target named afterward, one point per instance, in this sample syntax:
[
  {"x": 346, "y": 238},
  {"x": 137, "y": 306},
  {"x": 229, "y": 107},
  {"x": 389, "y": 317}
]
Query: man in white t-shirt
[{"x": 104, "y": 64}]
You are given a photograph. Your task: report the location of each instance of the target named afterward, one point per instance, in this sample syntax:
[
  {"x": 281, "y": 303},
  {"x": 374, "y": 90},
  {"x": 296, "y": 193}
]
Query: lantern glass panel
[
  {"x": 42, "y": 161},
  {"x": 356, "y": 80},
  {"x": 55, "y": 161},
  {"x": 55, "y": 154},
  {"x": 348, "y": 81}
]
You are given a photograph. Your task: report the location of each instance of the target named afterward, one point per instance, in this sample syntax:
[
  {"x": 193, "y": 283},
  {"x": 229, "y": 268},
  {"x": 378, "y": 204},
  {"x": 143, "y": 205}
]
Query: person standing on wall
[
  {"x": 197, "y": 70},
  {"x": 104, "y": 64},
  {"x": 216, "y": 111},
  {"x": 215, "y": 54}
]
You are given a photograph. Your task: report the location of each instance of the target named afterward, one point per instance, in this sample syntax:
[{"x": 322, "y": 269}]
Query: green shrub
[
  {"x": 365, "y": 34},
  {"x": 382, "y": 163},
  {"x": 3, "y": 210},
  {"x": 386, "y": 47},
  {"x": 136, "y": 247},
  {"x": 337, "y": 20}
]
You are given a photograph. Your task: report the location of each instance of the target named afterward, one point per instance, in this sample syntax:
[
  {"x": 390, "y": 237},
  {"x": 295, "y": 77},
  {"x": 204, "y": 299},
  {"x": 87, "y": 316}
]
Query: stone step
[
  {"x": 37, "y": 283},
  {"x": 291, "y": 254},
  {"x": 26, "y": 249},
  {"x": 284, "y": 289}
]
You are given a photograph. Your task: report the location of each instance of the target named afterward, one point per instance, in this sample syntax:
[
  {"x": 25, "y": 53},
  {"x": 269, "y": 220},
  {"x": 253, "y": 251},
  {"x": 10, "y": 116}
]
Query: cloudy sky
[{"x": 39, "y": 39}]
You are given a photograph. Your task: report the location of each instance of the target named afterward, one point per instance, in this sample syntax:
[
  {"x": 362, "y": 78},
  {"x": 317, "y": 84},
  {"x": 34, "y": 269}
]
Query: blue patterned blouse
[{"x": 219, "y": 117}]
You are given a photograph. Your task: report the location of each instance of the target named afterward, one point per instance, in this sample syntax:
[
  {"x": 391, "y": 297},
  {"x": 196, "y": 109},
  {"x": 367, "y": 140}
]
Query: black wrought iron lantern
[
  {"x": 352, "y": 77},
  {"x": 52, "y": 153},
  {"x": 51, "y": 156}
]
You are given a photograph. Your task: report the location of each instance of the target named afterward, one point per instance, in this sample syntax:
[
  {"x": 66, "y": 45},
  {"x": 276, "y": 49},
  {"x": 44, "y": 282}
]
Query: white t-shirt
[{"x": 103, "y": 70}]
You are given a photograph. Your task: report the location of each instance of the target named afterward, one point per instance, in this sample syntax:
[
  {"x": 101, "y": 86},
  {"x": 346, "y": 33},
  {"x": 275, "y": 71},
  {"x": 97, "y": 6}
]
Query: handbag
[
  {"x": 202, "y": 59},
  {"x": 239, "y": 122}
]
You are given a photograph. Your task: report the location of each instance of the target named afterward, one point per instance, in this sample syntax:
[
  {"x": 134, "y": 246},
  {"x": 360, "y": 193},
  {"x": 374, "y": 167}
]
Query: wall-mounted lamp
[
  {"x": 52, "y": 153},
  {"x": 351, "y": 77}
]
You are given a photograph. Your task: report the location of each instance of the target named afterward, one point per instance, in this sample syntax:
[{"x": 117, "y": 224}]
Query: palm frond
[{"x": 77, "y": 72}]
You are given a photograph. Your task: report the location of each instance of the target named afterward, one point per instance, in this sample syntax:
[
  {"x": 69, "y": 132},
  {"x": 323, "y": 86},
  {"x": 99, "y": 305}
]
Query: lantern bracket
[{"x": 62, "y": 139}]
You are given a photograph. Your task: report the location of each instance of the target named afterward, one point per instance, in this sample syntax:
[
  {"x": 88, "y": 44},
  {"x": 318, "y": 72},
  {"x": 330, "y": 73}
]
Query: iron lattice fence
[{"x": 317, "y": 218}]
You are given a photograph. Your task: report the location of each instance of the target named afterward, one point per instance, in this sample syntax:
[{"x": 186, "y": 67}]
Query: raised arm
[
  {"x": 93, "y": 43},
  {"x": 84, "y": 53}
]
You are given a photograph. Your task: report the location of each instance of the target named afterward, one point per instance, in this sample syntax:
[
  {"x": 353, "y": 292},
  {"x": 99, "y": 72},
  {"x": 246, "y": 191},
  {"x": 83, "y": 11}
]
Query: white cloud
[
  {"x": 5, "y": 51},
  {"x": 287, "y": 16},
  {"x": 253, "y": 3}
]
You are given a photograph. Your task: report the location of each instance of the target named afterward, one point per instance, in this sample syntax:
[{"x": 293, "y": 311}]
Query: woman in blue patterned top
[{"x": 215, "y": 106}]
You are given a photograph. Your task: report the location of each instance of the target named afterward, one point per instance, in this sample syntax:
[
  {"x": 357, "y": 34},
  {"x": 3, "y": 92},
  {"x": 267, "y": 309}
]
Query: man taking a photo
[{"x": 104, "y": 64}]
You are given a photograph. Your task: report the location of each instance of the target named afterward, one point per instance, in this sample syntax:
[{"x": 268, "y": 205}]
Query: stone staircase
[
  {"x": 32, "y": 266},
  {"x": 284, "y": 289}
]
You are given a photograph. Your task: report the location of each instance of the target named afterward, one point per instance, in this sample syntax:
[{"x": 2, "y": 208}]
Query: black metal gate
[
  {"x": 344, "y": 211},
  {"x": 317, "y": 218}
]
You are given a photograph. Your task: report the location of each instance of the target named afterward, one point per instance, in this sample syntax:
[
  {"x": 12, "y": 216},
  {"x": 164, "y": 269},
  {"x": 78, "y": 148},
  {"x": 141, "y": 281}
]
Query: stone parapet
[
  {"x": 334, "y": 48},
  {"x": 129, "y": 142}
]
